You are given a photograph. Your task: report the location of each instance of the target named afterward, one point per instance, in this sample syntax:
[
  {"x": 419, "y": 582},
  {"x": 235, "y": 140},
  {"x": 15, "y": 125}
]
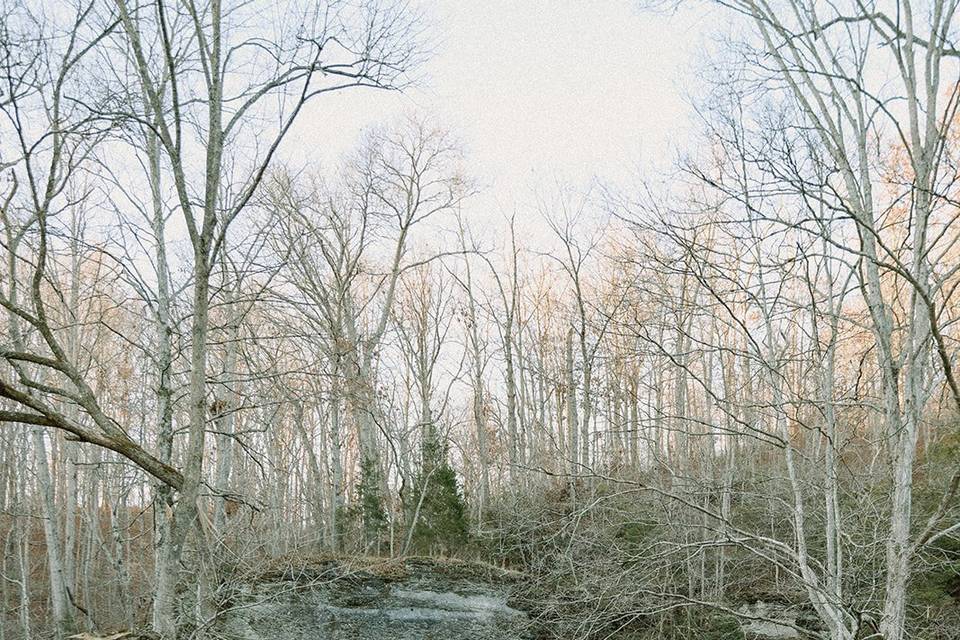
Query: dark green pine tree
[
  {"x": 373, "y": 516},
  {"x": 437, "y": 504}
]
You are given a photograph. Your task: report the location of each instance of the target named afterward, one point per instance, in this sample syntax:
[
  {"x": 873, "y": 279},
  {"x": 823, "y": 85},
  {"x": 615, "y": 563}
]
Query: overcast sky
[{"x": 537, "y": 91}]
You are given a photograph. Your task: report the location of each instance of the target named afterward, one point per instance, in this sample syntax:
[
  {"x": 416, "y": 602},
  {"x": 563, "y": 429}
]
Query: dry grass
[{"x": 335, "y": 566}]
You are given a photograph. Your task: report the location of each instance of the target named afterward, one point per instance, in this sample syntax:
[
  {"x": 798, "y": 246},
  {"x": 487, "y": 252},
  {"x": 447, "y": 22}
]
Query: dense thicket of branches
[{"x": 662, "y": 403}]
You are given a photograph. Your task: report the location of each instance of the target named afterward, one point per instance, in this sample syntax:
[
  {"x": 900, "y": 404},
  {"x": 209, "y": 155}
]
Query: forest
[{"x": 676, "y": 407}]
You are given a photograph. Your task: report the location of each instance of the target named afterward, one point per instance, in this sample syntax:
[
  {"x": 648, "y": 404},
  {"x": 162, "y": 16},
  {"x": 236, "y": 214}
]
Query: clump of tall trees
[{"x": 662, "y": 403}]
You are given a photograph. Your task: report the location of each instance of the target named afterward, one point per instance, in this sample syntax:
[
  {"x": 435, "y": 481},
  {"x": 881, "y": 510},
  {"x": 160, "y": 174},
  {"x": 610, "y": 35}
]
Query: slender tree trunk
[
  {"x": 336, "y": 462},
  {"x": 24, "y": 555},
  {"x": 226, "y": 407},
  {"x": 62, "y": 616},
  {"x": 573, "y": 439}
]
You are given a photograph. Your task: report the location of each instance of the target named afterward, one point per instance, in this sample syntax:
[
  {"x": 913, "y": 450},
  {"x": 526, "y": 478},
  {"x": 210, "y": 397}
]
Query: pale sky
[{"x": 536, "y": 91}]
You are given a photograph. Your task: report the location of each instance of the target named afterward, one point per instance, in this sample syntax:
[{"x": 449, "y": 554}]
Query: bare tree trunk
[
  {"x": 515, "y": 450},
  {"x": 24, "y": 555},
  {"x": 313, "y": 465},
  {"x": 62, "y": 616},
  {"x": 226, "y": 407},
  {"x": 118, "y": 529},
  {"x": 573, "y": 429},
  {"x": 479, "y": 410},
  {"x": 336, "y": 461}
]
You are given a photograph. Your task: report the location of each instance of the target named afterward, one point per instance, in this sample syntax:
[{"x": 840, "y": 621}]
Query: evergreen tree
[
  {"x": 373, "y": 515},
  {"x": 437, "y": 507}
]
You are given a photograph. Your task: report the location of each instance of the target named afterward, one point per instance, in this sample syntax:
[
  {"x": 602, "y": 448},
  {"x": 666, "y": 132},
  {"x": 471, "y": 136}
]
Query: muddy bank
[{"x": 415, "y": 599}]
